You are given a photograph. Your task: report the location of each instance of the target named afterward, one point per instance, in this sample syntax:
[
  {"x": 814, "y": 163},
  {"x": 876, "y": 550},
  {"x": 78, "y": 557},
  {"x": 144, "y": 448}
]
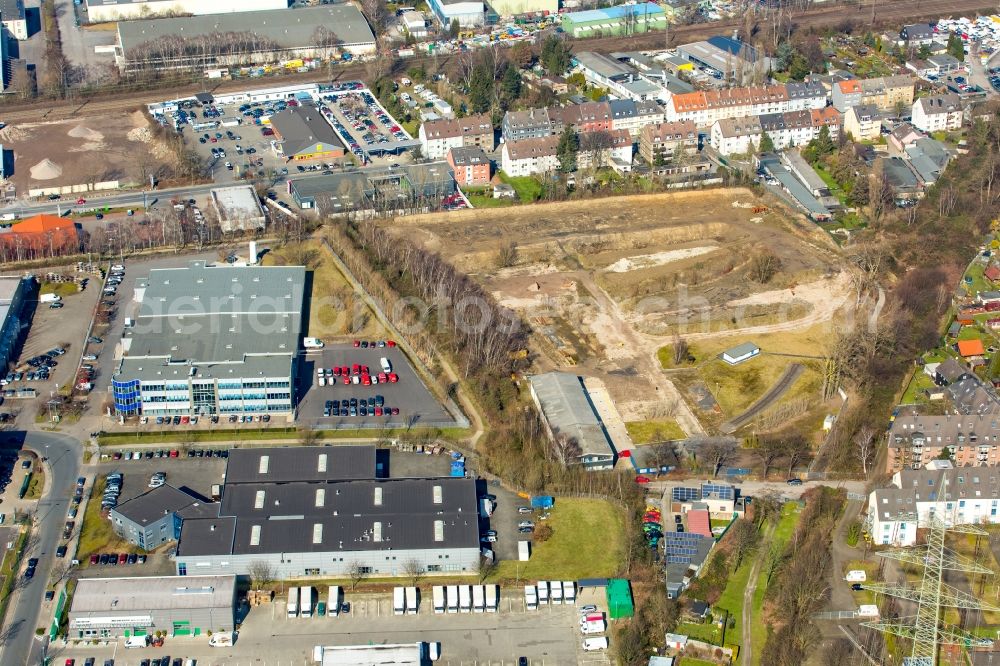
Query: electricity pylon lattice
[{"x": 932, "y": 594}]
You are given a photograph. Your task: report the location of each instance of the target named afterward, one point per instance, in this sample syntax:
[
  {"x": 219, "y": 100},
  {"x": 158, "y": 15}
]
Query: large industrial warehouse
[
  {"x": 116, "y": 10},
  {"x": 321, "y": 511},
  {"x": 139, "y": 606},
  {"x": 212, "y": 340},
  {"x": 250, "y": 38}
]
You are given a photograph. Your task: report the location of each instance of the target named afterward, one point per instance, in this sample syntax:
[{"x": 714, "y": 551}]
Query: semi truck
[
  {"x": 452, "y": 597},
  {"x": 398, "y": 600},
  {"x": 465, "y": 598},
  {"x": 305, "y": 601},
  {"x": 530, "y": 597},
  {"x": 479, "y": 598},
  {"x": 555, "y": 591},
  {"x": 543, "y": 592},
  {"x": 492, "y": 598},
  {"x": 569, "y": 592},
  {"x": 293, "y": 602},
  {"x": 412, "y": 602},
  {"x": 333, "y": 601},
  {"x": 438, "y": 593}
]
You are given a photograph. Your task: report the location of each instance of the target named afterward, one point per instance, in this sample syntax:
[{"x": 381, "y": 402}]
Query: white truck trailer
[
  {"x": 530, "y": 597},
  {"x": 305, "y": 601},
  {"x": 438, "y": 594},
  {"x": 293, "y": 602},
  {"x": 465, "y": 598},
  {"x": 398, "y": 601},
  {"x": 479, "y": 598},
  {"x": 569, "y": 592},
  {"x": 333, "y": 601},
  {"x": 555, "y": 591},
  {"x": 492, "y": 598},
  {"x": 412, "y": 601},
  {"x": 543, "y": 592},
  {"x": 452, "y": 596}
]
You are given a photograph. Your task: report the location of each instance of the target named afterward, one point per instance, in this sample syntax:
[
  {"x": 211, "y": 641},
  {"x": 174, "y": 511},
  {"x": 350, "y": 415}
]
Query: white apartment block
[
  {"x": 940, "y": 113},
  {"x": 530, "y": 156},
  {"x": 705, "y": 108}
]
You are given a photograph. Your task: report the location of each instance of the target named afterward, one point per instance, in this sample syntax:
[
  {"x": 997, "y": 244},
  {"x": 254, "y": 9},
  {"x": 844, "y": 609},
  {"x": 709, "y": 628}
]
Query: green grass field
[
  {"x": 35, "y": 485},
  {"x": 487, "y": 201},
  {"x": 573, "y": 551},
  {"x": 59, "y": 288},
  {"x": 96, "y": 534},
  {"x": 782, "y": 533},
  {"x": 647, "y": 432},
  {"x": 528, "y": 189}
]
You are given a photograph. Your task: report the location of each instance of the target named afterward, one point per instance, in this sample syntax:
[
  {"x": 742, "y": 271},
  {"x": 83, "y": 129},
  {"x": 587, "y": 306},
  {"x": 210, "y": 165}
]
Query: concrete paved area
[{"x": 268, "y": 638}]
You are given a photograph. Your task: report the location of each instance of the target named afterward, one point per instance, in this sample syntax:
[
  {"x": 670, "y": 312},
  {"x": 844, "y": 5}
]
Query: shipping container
[
  {"x": 398, "y": 601},
  {"x": 412, "y": 600},
  {"x": 451, "y": 594},
  {"x": 438, "y": 595},
  {"x": 465, "y": 598},
  {"x": 479, "y": 598}
]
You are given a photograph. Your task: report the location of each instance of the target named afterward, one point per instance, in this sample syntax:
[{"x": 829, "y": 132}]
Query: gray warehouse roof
[
  {"x": 389, "y": 514},
  {"x": 289, "y": 28},
  {"x": 217, "y": 318},
  {"x": 300, "y": 463},
  {"x": 154, "y": 504},
  {"x": 142, "y": 593},
  {"x": 301, "y": 127},
  {"x": 568, "y": 410}
]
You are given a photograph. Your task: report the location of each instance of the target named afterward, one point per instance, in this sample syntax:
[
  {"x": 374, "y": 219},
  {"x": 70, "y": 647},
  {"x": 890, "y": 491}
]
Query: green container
[
  {"x": 619, "y": 595},
  {"x": 321, "y": 609}
]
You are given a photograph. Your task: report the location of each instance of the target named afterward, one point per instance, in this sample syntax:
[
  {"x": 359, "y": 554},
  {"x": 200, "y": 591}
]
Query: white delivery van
[
  {"x": 137, "y": 641},
  {"x": 598, "y": 643},
  {"x": 312, "y": 343},
  {"x": 856, "y": 576},
  {"x": 386, "y": 366}
]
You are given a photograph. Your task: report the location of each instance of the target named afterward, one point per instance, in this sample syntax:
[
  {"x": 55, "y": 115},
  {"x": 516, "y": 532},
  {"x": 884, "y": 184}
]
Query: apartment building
[
  {"x": 667, "y": 140},
  {"x": 884, "y": 92},
  {"x": 968, "y": 440},
  {"x": 863, "y": 122},
  {"x": 705, "y": 108},
  {"x": 609, "y": 148},
  {"x": 938, "y": 113},
  {"x": 633, "y": 116},
  {"x": 586, "y": 117},
  {"x": 529, "y": 156},
  {"x": 437, "y": 137},
  {"x": 732, "y": 136},
  {"x": 471, "y": 166},
  {"x": 528, "y": 124},
  {"x": 937, "y": 491}
]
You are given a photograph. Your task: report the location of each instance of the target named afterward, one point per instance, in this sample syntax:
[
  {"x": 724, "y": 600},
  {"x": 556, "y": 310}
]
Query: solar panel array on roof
[
  {"x": 681, "y": 547},
  {"x": 721, "y": 490},
  {"x": 683, "y": 494}
]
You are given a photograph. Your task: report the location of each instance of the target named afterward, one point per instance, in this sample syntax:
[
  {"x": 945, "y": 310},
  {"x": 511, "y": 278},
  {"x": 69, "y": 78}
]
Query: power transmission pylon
[{"x": 933, "y": 594}]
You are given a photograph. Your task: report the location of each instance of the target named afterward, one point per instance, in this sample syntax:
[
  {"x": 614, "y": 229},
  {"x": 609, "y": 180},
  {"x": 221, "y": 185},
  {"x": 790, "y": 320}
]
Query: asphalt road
[
  {"x": 63, "y": 455},
  {"x": 134, "y": 200}
]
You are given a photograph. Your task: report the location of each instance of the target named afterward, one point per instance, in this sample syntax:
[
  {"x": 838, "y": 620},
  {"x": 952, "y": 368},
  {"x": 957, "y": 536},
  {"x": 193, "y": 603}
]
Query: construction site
[{"x": 608, "y": 290}]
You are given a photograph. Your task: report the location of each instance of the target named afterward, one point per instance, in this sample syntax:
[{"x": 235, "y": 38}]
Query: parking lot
[
  {"x": 364, "y": 126},
  {"x": 414, "y": 402},
  {"x": 548, "y": 636}
]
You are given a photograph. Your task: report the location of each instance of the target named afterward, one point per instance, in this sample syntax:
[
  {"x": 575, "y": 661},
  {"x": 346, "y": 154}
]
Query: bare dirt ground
[
  {"x": 605, "y": 284},
  {"x": 85, "y": 150}
]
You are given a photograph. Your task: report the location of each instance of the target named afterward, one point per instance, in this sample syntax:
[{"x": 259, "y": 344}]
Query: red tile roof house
[
  {"x": 971, "y": 348},
  {"x": 992, "y": 273},
  {"x": 699, "y": 522}
]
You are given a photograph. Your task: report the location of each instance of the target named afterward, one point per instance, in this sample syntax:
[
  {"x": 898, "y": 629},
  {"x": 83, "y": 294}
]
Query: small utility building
[
  {"x": 179, "y": 606},
  {"x": 238, "y": 208},
  {"x": 740, "y": 353}
]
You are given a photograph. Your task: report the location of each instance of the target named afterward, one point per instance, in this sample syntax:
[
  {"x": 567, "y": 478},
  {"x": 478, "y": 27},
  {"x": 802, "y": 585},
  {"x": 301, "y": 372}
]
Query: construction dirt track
[{"x": 888, "y": 14}]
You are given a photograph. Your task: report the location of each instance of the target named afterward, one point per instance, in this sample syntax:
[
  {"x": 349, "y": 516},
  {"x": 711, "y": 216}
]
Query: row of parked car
[
  {"x": 171, "y": 453},
  {"x": 114, "y": 559},
  {"x": 214, "y": 418},
  {"x": 112, "y": 490},
  {"x": 373, "y": 406}
]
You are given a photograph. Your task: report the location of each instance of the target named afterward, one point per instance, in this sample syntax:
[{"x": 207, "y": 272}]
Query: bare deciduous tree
[
  {"x": 768, "y": 452},
  {"x": 357, "y": 572},
  {"x": 763, "y": 266},
  {"x": 262, "y": 574},
  {"x": 507, "y": 254},
  {"x": 716, "y": 452},
  {"x": 414, "y": 570},
  {"x": 565, "y": 449},
  {"x": 679, "y": 347},
  {"x": 865, "y": 446}
]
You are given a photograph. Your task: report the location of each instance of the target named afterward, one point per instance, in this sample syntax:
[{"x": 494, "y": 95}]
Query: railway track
[
  {"x": 889, "y": 13},
  {"x": 788, "y": 377}
]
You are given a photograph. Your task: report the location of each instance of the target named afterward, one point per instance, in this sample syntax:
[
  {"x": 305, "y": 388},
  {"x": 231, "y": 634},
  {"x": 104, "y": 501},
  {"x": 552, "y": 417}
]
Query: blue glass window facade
[{"x": 127, "y": 395}]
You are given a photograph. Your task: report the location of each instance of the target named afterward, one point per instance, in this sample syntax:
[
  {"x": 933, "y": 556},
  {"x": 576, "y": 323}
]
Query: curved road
[{"x": 63, "y": 455}]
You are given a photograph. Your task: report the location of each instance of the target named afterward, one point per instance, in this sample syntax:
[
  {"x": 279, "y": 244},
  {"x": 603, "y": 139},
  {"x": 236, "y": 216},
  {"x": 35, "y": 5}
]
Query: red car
[
  {"x": 347, "y": 379},
  {"x": 364, "y": 370},
  {"x": 382, "y": 378},
  {"x": 395, "y": 411},
  {"x": 81, "y": 201},
  {"x": 378, "y": 411},
  {"x": 390, "y": 343},
  {"x": 122, "y": 558},
  {"x": 70, "y": 662},
  {"x": 357, "y": 343},
  {"x": 642, "y": 479},
  {"x": 174, "y": 453},
  {"x": 355, "y": 369},
  {"x": 94, "y": 559},
  {"x": 366, "y": 380},
  {"x": 393, "y": 378}
]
